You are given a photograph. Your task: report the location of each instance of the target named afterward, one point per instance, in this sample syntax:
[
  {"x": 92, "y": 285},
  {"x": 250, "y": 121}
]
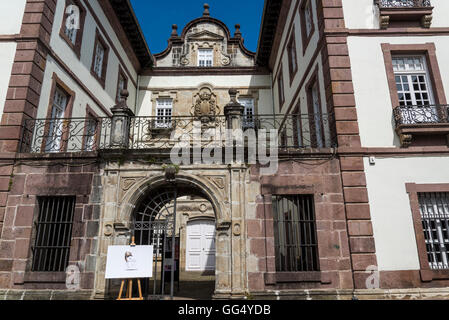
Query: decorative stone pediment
[{"x": 205, "y": 35}]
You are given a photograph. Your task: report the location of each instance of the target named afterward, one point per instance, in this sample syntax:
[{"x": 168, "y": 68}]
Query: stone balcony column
[
  {"x": 233, "y": 112},
  {"x": 121, "y": 119}
]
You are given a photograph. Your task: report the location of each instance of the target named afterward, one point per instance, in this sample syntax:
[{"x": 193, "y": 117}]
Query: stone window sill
[
  {"x": 407, "y": 131},
  {"x": 272, "y": 278},
  {"x": 45, "y": 277},
  {"x": 431, "y": 275}
]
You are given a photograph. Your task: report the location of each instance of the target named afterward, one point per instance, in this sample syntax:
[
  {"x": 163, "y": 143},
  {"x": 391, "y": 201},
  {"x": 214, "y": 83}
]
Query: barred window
[
  {"x": 56, "y": 124},
  {"x": 434, "y": 208},
  {"x": 296, "y": 244},
  {"x": 51, "y": 250}
]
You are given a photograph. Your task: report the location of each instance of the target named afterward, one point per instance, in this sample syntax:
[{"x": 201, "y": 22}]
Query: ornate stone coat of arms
[{"x": 205, "y": 105}]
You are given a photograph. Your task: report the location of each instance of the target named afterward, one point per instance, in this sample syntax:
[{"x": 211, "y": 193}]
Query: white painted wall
[
  {"x": 11, "y": 16},
  {"x": 304, "y": 59},
  {"x": 391, "y": 214},
  {"x": 81, "y": 98},
  {"x": 372, "y": 93},
  {"x": 7, "y": 53},
  {"x": 81, "y": 67},
  {"x": 440, "y": 11},
  {"x": 364, "y": 14}
]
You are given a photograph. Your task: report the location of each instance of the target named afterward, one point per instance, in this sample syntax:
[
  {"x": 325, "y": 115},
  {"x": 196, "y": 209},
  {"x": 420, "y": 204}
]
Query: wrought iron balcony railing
[
  {"x": 404, "y": 3},
  {"x": 86, "y": 135},
  {"x": 417, "y": 115},
  {"x": 64, "y": 135}
]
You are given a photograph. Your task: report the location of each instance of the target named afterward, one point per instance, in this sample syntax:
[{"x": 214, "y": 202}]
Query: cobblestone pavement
[{"x": 195, "y": 286}]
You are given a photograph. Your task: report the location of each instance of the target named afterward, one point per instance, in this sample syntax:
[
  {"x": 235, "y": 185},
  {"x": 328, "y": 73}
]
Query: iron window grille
[
  {"x": 296, "y": 244},
  {"x": 54, "y": 224},
  {"x": 434, "y": 208}
]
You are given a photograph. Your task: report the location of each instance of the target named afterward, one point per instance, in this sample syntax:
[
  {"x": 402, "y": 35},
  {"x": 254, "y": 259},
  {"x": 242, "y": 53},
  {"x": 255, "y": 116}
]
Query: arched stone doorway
[
  {"x": 125, "y": 191},
  {"x": 160, "y": 219}
]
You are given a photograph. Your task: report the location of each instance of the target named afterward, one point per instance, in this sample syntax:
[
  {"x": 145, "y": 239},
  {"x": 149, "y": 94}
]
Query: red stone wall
[
  {"x": 22, "y": 98},
  {"x": 31, "y": 180},
  {"x": 340, "y": 98},
  {"x": 321, "y": 178}
]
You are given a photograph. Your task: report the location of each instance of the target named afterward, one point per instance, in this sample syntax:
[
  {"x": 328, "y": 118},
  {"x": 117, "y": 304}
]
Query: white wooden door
[{"x": 200, "y": 246}]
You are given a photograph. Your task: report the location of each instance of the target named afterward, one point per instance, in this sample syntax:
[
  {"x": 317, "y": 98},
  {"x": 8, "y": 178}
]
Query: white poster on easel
[{"x": 129, "y": 262}]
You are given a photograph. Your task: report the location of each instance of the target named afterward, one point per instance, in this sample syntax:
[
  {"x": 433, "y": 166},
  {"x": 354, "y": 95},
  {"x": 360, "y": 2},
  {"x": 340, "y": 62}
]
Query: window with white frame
[
  {"x": 308, "y": 17},
  {"x": 177, "y": 52},
  {"x": 434, "y": 208},
  {"x": 414, "y": 89},
  {"x": 248, "y": 115},
  {"x": 205, "y": 57},
  {"x": 412, "y": 81},
  {"x": 56, "y": 128},
  {"x": 71, "y": 32},
  {"x": 164, "y": 111},
  {"x": 99, "y": 59}
]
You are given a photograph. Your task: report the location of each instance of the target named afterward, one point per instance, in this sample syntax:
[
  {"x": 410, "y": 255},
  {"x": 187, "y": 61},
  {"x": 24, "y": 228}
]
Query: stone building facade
[{"x": 86, "y": 136}]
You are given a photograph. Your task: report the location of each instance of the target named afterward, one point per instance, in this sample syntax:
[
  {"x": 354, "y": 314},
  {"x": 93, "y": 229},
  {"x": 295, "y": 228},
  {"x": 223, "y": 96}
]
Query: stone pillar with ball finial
[
  {"x": 174, "y": 32},
  {"x": 237, "y": 33},
  {"x": 120, "y": 126},
  {"x": 234, "y": 111},
  {"x": 206, "y": 12}
]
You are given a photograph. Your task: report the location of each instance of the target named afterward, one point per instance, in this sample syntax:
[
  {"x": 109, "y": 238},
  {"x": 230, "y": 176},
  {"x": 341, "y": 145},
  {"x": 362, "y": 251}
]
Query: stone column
[
  {"x": 121, "y": 119},
  {"x": 233, "y": 112},
  {"x": 234, "y": 119}
]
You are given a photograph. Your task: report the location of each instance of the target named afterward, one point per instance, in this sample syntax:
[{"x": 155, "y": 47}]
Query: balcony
[
  {"x": 300, "y": 131},
  {"x": 405, "y": 13},
  {"x": 415, "y": 121}
]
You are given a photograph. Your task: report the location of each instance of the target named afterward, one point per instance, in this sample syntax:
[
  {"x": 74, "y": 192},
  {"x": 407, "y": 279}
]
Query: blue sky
[{"x": 157, "y": 17}]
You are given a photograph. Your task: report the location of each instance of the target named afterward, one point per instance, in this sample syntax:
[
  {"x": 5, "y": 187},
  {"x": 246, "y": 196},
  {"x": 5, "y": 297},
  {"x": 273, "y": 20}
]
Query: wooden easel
[{"x": 130, "y": 285}]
